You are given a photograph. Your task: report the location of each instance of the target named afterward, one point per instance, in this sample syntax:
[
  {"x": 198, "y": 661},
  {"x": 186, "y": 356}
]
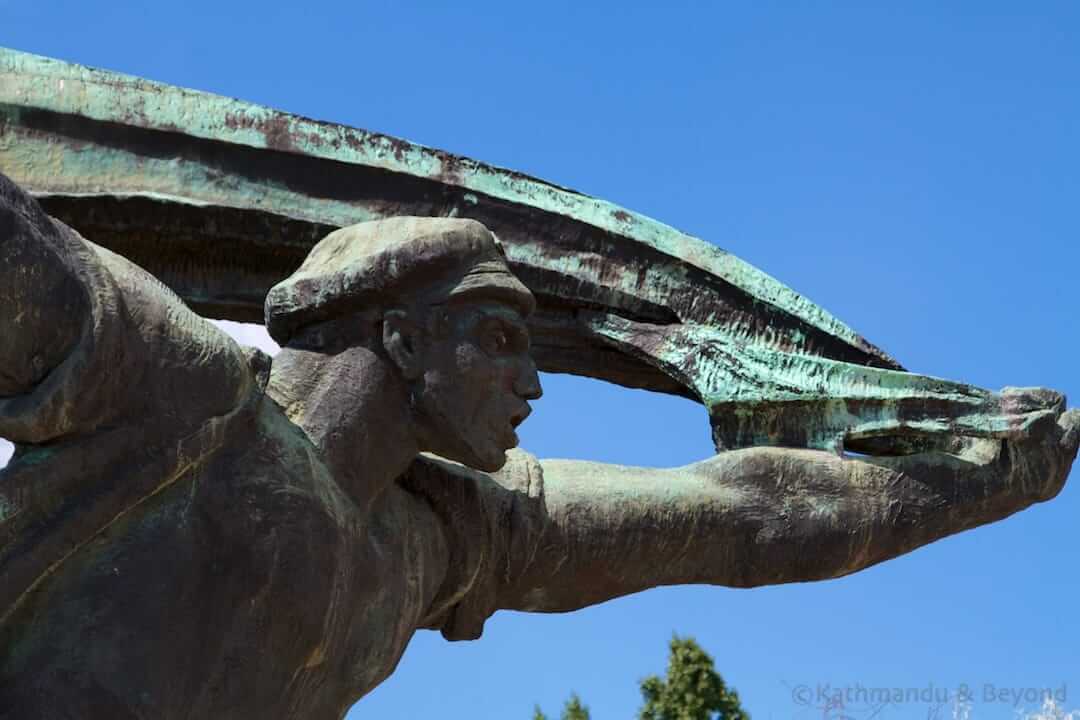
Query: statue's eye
[
  {"x": 498, "y": 338},
  {"x": 498, "y": 341}
]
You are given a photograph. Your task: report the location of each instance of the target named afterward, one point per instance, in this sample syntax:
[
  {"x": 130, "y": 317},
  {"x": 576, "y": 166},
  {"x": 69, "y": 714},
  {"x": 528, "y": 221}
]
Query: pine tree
[
  {"x": 692, "y": 690},
  {"x": 573, "y": 710}
]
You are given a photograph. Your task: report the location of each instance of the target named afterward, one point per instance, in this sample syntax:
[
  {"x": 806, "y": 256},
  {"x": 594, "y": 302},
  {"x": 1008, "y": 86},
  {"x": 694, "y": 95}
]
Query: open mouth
[
  {"x": 519, "y": 417},
  {"x": 515, "y": 420}
]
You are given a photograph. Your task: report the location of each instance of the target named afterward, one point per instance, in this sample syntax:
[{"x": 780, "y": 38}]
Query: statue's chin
[
  {"x": 491, "y": 464},
  {"x": 486, "y": 459},
  {"x": 489, "y": 459}
]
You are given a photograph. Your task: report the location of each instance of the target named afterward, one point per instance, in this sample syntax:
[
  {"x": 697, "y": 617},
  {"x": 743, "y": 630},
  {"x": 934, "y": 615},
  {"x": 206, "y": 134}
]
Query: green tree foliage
[
  {"x": 691, "y": 690},
  {"x": 573, "y": 710}
]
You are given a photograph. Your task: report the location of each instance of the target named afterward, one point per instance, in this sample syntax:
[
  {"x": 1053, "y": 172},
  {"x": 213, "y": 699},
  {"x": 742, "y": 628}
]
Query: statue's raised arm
[
  {"x": 90, "y": 339},
  {"x": 44, "y": 307}
]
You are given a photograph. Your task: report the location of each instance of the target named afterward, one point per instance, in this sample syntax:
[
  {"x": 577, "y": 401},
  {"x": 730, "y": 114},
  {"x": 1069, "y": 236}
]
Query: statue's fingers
[{"x": 1069, "y": 422}]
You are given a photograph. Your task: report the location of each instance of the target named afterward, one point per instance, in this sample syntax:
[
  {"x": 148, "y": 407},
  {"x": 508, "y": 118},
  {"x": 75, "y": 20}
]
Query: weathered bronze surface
[{"x": 190, "y": 530}]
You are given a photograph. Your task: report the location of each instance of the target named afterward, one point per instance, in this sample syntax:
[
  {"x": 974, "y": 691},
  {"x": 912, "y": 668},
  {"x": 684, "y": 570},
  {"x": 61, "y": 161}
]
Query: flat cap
[{"x": 396, "y": 260}]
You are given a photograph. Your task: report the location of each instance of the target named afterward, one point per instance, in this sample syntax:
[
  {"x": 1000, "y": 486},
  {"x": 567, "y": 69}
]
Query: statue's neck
[{"x": 354, "y": 408}]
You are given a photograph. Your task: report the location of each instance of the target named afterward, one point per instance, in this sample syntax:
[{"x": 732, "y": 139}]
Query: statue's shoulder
[
  {"x": 493, "y": 523},
  {"x": 435, "y": 477}
]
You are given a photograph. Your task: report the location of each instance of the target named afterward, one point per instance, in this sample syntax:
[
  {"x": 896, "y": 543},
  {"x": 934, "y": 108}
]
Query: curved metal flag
[{"x": 221, "y": 199}]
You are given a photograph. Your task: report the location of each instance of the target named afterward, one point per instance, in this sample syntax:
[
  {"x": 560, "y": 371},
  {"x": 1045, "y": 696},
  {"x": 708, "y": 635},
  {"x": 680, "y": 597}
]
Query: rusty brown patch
[{"x": 275, "y": 129}]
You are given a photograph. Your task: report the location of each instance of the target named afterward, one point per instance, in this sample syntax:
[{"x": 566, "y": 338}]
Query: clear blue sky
[{"x": 913, "y": 169}]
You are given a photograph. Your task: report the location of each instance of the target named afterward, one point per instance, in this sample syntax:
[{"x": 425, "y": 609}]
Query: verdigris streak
[{"x": 188, "y": 529}]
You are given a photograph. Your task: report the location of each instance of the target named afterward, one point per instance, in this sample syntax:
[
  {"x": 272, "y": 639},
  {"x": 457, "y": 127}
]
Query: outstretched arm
[
  {"x": 110, "y": 387},
  {"x": 43, "y": 301},
  {"x": 88, "y": 340},
  {"x": 763, "y": 516}
]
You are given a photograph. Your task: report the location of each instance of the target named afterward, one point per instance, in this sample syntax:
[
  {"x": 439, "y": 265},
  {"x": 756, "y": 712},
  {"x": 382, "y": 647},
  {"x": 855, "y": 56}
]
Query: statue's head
[{"x": 435, "y": 300}]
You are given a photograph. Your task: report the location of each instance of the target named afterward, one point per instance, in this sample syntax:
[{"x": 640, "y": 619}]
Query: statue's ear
[{"x": 402, "y": 342}]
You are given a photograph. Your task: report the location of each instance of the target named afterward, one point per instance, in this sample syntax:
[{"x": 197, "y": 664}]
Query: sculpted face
[
  {"x": 476, "y": 380},
  {"x": 451, "y": 316}
]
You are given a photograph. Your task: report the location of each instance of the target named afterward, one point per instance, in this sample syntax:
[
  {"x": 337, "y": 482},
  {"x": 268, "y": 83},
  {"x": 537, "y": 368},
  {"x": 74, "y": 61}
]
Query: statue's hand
[{"x": 1045, "y": 458}]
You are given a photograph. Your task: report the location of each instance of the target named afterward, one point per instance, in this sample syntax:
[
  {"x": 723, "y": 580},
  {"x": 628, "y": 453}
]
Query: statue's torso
[{"x": 251, "y": 587}]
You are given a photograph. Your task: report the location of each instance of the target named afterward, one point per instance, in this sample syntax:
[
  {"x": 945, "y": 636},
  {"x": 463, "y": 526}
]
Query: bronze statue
[{"x": 188, "y": 529}]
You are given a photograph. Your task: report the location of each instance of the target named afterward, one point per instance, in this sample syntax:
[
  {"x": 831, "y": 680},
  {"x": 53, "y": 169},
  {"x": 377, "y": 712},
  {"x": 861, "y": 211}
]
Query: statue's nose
[{"x": 527, "y": 384}]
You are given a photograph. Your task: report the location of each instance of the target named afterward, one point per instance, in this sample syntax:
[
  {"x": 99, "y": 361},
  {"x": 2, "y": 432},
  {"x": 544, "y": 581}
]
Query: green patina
[
  {"x": 757, "y": 395},
  {"x": 771, "y": 367},
  {"x": 30, "y": 81}
]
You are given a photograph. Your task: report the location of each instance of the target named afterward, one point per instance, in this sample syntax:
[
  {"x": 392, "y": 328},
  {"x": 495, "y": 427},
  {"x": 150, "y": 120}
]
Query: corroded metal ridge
[
  {"x": 30, "y": 81},
  {"x": 221, "y": 199}
]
